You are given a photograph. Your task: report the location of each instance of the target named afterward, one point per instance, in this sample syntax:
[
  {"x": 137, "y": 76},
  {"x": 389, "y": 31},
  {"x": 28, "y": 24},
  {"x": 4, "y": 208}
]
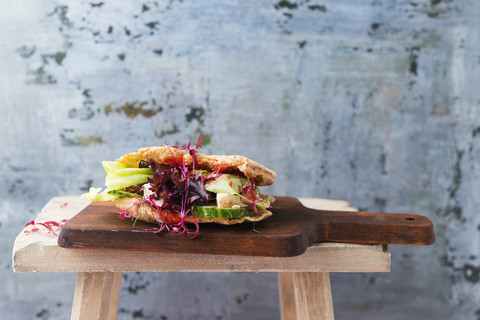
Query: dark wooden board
[{"x": 289, "y": 232}]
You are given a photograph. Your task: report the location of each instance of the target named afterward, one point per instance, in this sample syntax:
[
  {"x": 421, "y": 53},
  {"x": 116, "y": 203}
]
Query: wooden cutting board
[{"x": 289, "y": 232}]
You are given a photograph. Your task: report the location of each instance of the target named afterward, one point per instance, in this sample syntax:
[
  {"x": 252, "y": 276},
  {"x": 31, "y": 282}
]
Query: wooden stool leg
[
  {"x": 305, "y": 296},
  {"x": 96, "y": 295},
  {"x": 286, "y": 292}
]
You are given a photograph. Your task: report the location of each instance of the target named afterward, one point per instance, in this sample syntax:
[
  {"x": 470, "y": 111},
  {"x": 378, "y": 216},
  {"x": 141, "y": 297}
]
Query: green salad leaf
[
  {"x": 119, "y": 176},
  {"x": 227, "y": 183}
]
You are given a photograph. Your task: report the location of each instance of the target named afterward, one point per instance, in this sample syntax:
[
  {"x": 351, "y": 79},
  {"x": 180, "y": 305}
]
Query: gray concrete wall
[{"x": 375, "y": 102}]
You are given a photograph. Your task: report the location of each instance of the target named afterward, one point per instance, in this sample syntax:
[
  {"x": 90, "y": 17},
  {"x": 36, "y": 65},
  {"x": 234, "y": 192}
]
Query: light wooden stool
[{"x": 304, "y": 282}]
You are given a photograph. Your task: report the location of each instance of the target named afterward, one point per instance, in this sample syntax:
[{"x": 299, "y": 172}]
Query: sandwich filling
[{"x": 181, "y": 195}]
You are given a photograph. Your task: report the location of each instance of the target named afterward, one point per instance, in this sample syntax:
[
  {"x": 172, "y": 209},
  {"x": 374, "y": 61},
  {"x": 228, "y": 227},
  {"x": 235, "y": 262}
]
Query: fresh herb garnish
[
  {"x": 253, "y": 197},
  {"x": 47, "y": 228},
  {"x": 176, "y": 188}
]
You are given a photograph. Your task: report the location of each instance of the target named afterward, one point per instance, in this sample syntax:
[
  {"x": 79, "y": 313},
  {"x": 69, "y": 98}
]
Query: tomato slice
[{"x": 168, "y": 217}]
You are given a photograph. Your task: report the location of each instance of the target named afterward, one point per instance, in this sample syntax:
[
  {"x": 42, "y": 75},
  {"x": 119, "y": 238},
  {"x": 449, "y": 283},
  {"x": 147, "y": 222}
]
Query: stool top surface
[{"x": 38, "y": 253}]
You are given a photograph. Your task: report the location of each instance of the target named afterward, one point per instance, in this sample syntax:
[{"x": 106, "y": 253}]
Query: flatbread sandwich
[{"x": 179, "y": 188}]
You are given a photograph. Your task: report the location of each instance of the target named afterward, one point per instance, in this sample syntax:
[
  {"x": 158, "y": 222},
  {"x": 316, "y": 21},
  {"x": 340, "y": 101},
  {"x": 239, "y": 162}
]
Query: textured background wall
[{"x": 375, "y": 102}]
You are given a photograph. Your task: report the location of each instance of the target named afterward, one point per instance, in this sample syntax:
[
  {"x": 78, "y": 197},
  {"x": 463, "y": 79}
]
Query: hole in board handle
[{"x": 410, "y": 219}]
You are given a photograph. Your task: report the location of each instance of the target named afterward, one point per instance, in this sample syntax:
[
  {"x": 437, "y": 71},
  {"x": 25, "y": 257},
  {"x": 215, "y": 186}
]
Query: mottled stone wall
[{"x": 375, "y": 102}]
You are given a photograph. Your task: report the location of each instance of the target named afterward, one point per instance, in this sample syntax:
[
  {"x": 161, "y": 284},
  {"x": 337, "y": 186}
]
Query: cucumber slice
[
  {"x": 215, "y": 212},
  {"x": 122, "y": 193}
]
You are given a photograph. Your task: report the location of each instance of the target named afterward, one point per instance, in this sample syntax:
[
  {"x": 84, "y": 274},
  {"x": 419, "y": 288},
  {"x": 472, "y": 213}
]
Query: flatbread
[
  {"x": 229, "y": 164},
  {"x": 147, "y": 214}
]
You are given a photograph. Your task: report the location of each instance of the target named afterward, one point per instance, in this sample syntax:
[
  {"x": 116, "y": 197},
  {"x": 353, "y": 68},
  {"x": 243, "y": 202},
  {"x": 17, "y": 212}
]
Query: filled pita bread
[{"x": 167, "y": 185}]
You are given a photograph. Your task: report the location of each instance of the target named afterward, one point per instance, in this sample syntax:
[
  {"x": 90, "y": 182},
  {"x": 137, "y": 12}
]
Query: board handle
[{"x": 370, "y": 227}]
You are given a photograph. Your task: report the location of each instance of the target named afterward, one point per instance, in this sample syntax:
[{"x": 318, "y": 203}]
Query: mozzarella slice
[
  {"x": 146, "y": 190},
  {"x": 147, "y": 193},
  {"x": 225, "y": 200}
]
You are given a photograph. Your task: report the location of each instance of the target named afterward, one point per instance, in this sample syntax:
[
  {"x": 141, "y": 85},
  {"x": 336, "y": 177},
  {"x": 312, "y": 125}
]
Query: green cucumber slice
[
  {"x": 122, "y": 193},
  {"x": 214, "y": 212}
]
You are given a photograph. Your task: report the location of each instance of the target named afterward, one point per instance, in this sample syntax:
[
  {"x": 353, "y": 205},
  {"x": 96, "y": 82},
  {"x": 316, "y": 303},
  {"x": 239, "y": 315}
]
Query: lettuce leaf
[
  {"x": 96, "y": 194},
  {"x": 119, "y": 176},
  {"x": 227, "y": 183}
]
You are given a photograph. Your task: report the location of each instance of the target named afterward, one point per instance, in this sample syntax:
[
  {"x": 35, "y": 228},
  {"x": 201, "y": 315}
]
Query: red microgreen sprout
[
  {"x": 48, "y": 228},
  {"x": 249, "y": 191},
  {"x": 180, "y": 188}
]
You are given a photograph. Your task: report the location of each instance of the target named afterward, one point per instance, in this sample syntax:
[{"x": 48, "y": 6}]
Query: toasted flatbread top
[{"x": 229, "y": 164}]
